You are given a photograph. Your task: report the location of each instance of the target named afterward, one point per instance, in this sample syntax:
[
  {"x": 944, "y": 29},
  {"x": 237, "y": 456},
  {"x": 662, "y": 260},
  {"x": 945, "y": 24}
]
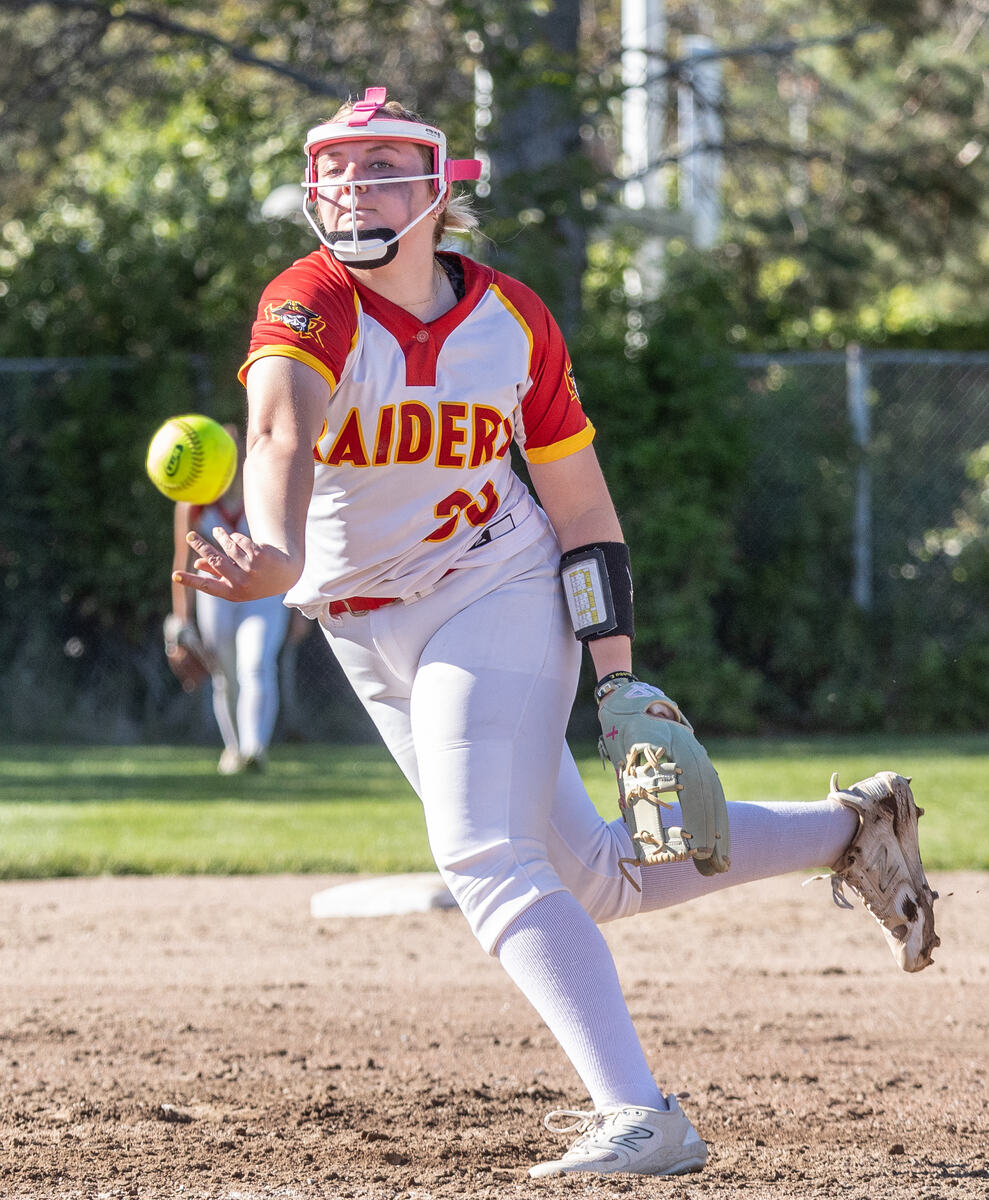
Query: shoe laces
[
  {"x": 837, "y": 880},
  {"x": 580, "y": 1122}
]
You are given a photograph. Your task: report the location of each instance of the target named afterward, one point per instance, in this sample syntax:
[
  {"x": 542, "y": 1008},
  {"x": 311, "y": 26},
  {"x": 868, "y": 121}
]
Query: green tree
[{"x": 855, "y": 181}]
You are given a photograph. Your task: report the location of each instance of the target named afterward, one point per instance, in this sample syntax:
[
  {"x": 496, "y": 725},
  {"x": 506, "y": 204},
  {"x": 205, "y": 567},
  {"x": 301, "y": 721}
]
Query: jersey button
[{"x": 422, "y": 336}]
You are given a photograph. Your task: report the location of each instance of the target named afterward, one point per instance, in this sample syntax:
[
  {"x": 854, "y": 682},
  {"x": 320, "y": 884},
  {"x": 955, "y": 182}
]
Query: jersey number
[{"x": 477, "y": 510}]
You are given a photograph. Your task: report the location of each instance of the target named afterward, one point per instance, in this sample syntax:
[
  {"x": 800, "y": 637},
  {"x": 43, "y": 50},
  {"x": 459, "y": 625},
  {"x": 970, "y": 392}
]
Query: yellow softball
[{"x": 192, "y": 458}]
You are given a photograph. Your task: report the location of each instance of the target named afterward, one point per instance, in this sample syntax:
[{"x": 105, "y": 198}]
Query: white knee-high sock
[
  {"x": 559, "y": 959},
  {"x": 767, "y": 839}
]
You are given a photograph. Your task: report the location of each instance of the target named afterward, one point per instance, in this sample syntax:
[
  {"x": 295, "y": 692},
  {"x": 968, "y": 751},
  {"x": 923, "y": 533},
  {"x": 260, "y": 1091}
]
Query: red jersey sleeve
[
  {"x": 308, "y": 313},
  {"x": 554, "y": 424}
]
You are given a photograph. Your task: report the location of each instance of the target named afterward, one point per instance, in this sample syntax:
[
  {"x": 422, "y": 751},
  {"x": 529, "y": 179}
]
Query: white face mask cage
[
  {"x": 375, "y": 247},
  {"x": 365, "y": 247}
]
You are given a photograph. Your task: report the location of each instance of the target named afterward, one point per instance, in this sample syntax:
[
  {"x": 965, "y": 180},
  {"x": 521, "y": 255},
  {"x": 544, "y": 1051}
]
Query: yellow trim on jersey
[
  {"x": 570, "y": 445},
  {"x": 299, "y": 355},
  {"x": 518, "y": 317}
]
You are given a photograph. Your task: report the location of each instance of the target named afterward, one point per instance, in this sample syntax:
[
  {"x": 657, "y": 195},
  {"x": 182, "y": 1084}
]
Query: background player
[
  {"x": 386, "y": 381},
  {"x": 241, "y": 641}
]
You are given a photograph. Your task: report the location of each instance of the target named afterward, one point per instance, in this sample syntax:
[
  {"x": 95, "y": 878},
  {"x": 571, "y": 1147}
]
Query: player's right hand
[{"x": 238, "y": 568}]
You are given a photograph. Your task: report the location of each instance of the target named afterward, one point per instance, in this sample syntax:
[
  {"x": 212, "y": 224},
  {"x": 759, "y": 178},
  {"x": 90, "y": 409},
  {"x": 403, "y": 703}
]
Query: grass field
[{"x": 330, "y": 809}]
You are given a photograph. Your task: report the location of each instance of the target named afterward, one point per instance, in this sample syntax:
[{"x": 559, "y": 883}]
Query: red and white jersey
[{"x": 413, "y": 460}]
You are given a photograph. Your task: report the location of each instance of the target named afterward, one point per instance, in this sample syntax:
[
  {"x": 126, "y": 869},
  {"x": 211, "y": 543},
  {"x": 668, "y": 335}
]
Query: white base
[{"x": 383, "y": 896}]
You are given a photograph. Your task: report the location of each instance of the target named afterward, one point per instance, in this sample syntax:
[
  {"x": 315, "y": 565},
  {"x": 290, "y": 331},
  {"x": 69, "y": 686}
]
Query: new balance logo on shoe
[
  {"x": 629, "y": 1136},
  {"x": 885, "y": 873}
]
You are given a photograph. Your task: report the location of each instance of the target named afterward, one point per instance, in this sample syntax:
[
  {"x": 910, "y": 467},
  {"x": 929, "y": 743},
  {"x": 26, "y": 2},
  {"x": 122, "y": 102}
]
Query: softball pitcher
[{"x": 387, "y": 381}]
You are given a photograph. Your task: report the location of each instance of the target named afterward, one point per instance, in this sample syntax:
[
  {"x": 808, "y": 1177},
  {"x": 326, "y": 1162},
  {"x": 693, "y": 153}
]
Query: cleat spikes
[{"x": 882, "y": 866}]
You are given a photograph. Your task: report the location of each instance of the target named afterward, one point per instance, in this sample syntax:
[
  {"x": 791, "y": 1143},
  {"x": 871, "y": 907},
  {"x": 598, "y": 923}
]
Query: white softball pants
[
  {"x": 471, "y": 689},
  {"x": 244, "y": 639}
]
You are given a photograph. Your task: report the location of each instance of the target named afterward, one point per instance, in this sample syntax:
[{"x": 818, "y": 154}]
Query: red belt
[{"x": 358, "y": 605}]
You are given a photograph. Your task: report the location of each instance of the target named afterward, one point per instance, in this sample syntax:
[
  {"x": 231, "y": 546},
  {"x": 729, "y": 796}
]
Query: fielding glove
[
  {"x": 654, "y": 756},
  {"x": 188, "y": 659}
]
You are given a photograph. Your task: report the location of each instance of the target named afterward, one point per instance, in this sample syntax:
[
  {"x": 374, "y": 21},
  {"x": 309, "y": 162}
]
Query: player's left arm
[
  {"x": 562, "y": 463},
  {"x": 574, "y": 495}
]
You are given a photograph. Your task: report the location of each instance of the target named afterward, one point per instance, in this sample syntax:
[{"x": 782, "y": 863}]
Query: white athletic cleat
[
  {"x": 882, "y": 866},
  {"x": 638, "y": 1141}
]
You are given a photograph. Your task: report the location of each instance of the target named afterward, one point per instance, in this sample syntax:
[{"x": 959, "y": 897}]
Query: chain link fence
[
  {"x": 855, "y": 458},
  {"x": 860, "y": 607},
  {"x": 889, "y": 432}
]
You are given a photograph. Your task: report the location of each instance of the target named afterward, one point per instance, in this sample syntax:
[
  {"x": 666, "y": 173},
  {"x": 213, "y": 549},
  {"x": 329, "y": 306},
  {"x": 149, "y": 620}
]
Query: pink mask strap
[
  {"x": 462, "y": 168},
  {"x": 365, "y": 109}
]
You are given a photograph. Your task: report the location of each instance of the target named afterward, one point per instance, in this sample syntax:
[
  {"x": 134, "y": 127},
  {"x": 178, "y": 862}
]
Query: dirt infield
[{"x": 207, "y": 1038}]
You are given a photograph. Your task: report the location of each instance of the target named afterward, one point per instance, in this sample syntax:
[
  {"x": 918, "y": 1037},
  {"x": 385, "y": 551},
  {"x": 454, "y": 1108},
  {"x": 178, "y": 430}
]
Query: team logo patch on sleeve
[
  {"x": 571, "y": 384},
  {"x": 298, "y": 318}
]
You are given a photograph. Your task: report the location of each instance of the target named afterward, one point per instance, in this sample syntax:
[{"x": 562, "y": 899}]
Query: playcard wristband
[{"x": 597, "y": 582}]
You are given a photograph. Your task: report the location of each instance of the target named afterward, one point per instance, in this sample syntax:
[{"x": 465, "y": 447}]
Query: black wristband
[{"x": 608, "y": 683}]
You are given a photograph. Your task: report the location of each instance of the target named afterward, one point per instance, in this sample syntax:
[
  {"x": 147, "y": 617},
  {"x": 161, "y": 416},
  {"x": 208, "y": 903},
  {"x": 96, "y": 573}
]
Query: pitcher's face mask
[{"x": 366, "y": 248}]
